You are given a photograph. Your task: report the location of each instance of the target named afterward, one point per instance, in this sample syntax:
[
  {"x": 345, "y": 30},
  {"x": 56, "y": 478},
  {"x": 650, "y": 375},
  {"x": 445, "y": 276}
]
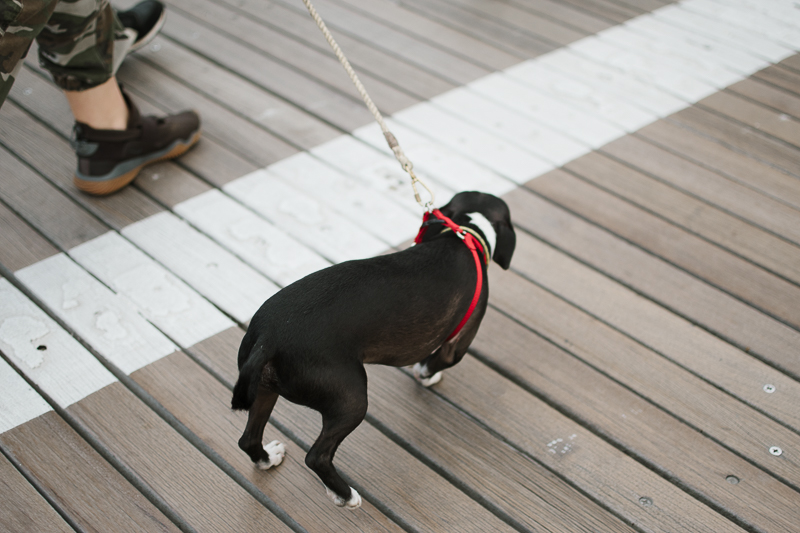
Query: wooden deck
[{"x": 639, "y": 366}]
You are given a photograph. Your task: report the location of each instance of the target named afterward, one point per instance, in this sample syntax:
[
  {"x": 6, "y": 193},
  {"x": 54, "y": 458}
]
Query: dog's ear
[{"x": 506, "y": 242}]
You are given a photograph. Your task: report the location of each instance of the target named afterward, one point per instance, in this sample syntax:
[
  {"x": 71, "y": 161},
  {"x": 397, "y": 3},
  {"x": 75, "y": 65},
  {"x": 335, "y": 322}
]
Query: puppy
[{"x": 310, "y": 341}]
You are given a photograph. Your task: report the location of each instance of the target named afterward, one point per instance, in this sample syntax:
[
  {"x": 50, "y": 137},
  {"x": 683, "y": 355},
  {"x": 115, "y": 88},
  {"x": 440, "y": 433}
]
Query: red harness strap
[{"x": 473, "y": 245}]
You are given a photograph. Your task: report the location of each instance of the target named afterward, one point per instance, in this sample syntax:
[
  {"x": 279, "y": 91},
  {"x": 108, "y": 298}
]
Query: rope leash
[{"x": 390, "y": 138}]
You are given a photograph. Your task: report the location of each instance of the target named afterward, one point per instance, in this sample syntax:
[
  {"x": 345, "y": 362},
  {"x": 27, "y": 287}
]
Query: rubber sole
[{"x": 105, "y": 187}]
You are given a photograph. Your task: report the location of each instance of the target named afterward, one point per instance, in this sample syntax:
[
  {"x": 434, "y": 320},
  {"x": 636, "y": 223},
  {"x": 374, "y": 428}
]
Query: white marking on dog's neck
[{"x": 486, "y": 228}]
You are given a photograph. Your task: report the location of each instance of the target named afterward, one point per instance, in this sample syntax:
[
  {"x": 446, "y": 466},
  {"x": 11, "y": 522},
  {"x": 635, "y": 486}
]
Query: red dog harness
[{"x": 473, "y": 242}]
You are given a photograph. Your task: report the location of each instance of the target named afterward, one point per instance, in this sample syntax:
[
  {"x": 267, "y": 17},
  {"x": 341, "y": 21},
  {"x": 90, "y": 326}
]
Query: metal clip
[{"x": 408, "y": 167}]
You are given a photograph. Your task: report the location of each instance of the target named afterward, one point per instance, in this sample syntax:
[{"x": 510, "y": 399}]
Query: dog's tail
[{"x": 254, "y": 354}]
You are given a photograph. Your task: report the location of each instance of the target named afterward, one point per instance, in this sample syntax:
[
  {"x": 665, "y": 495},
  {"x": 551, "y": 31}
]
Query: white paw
[
  {"x": 276, "y": 452},
  {"x": 420, "y": 370},
  {"x": 353, "y": 503}
]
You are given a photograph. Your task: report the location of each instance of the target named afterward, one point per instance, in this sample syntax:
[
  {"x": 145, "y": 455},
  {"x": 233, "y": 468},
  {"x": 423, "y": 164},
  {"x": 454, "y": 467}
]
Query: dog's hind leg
[
  {"x": 251, "y": 442},
  {"x": 345, "y": 410}
]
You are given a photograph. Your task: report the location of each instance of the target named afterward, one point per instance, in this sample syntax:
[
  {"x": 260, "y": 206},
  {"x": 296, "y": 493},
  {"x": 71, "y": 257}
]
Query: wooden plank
[
  {"x": 260, "y": 244},
  {"x": 309, "y": 221},
  {"x": 457, "y": 43},
  {"x": 188, "y": 481},
  {"x": 778, "y": 125},
  {"x": 264, "y": 27},
  {"x": 717, "y": 190},
  {"x": 203, "y": 404},
  {"x": 770, "y": 96},
  {"x": 547, "y": 29},
  {"x": 426, "y": 57},
  {"x": 212, "y": 271},
  {"x": 23, "y": 246},
  {"x": 663, "y": 442},
  {"x": 24, "y": 509},
  {"x": 567, "y": 14},
  {"x": 235, "y": 133},
  {"x": 39, "y": 96},
  {"x": 719, "y": 158},
  {"x": 606, "y": 9},
  {"x": 623, "y": 486},
  {"x": 44, "y": 206},
  {"x": 378, "y": 468},
  {"x": 514, "y": 483},
  {"x": 164, "y": 300},
  {"x": 509, "y": 39},
  {"x": 20, "y": 403},
  {"x": 674, "y": 337},
  {"x": 728, "y": 231},
  {"x": 81, "y": 483},
  {"x": 791, "y": 62},
  {"x": 703, "y": 303}
]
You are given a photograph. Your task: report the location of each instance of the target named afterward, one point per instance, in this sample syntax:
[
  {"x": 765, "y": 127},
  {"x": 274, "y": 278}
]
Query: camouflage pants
[{"x": 81, "y": 42}]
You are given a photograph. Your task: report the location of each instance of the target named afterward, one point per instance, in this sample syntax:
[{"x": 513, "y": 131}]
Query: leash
[
  {"x": 473, "y": 241},
  {"x": 391, "y": 140}
]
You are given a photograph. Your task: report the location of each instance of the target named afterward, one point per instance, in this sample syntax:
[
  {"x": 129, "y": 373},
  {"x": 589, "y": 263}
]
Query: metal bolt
[
  {"x": 644, "y": 501},
  {"x": 776, "y": 451},
  {"x": 733, "y": 480},
  {"x": 769, "y": 389}
]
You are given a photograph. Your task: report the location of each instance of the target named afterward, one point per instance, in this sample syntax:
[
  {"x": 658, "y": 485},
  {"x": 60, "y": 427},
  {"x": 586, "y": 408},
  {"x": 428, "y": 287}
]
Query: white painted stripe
[
  {"x": 19, "y": 403},
  {"x": 456, "y": 171},
  {"x": 473, "y": 142},
  {"x": 304, "y": 218},
  {"x": 211, "y": 270},
  {"x": 749, "y": 19},
  {"x": 44, "y": 352},
  {"x": 362, "y": 205},
  {"x": 163, "y": 299},
  {"x": 107, "y": 321},
  {"x": 260, "y": 244},
  {"x": 356, "y": 158}
]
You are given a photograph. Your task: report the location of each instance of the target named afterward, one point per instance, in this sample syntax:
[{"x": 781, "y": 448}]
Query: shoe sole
[{"x": 102, "y": 187}]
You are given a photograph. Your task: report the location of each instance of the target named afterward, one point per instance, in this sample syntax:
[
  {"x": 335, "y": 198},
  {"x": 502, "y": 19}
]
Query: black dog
[{"x": 310, "y": 341}]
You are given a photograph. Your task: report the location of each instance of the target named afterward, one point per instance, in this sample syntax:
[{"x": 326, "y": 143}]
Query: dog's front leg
[
  {"x": 429, "y": 371},
  {"x": 251, "y": 442}
]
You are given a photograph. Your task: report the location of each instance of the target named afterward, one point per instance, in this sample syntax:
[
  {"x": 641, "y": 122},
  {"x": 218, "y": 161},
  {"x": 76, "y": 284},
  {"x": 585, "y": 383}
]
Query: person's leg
[
  {"x": 20, "y": 23},
  {"x": 82, "y": 45}
]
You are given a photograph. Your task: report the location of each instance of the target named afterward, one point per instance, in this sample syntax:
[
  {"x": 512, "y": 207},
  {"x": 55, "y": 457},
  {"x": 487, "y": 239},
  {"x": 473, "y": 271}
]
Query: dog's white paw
[
  {"x": 353, "y": 503},
  {"x": 419, "y": 370},
  {"x": 276, "y": 452}
]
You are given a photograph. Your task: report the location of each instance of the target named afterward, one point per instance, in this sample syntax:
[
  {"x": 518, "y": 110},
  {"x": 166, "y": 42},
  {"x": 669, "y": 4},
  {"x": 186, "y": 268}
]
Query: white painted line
[
  {"x": 163, "y": 299},
  {"x": 350, "y": 198},
  {"x": 515, "y": 128},
  {"x": 304, "y": 218},
  {"x": 782, "y": 10},
  {"x": 583, "y": 95},
  {"x": 380, "y": 170},
  {"x": 19, "y": 403},
  {"x": 608, "y": 80},
  {"x": 474, "y": 142},
  {"x": 456, "y": 171},
  {"x": 211, "y": 270},
  {"x": 260, "y": 244},
  {"x": 107, "y": 321},
  {"x": 749, "y": 19},
  {"x": 44, "y": 352},
  {"x": 731, "y": 35},
  {"x": 570, "y": 121}
]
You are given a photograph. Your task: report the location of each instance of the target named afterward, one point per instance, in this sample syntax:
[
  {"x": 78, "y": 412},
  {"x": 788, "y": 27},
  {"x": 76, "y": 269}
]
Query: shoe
[
  {"x": 146, "y": 19},
  {"x": 108, "y": 160}
]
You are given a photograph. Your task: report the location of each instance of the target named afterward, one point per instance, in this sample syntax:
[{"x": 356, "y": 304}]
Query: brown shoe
[{"x": 110, "y": 159}]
